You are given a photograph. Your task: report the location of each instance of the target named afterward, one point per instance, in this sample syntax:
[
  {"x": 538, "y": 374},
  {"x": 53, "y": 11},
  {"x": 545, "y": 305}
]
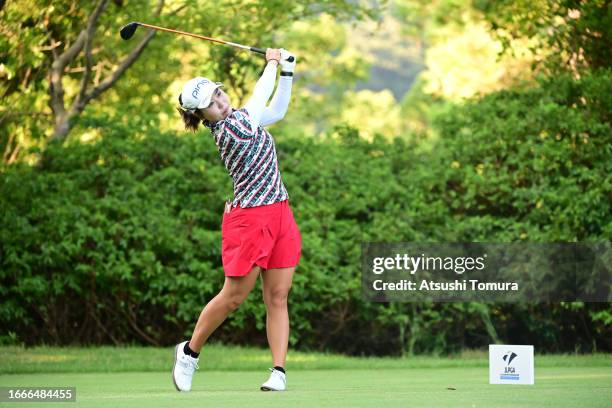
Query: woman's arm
[
  {"x": 280, "y": 102},
  {"x": 262, "y": 92}
]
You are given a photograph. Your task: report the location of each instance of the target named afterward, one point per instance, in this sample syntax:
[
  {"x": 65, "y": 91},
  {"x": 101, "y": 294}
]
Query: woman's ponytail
[{"x": 190, "y": 119}]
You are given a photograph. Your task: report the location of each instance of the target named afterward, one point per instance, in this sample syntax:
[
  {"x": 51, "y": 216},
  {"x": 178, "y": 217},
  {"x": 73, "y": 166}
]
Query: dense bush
[{"x": 119, "y": 241}]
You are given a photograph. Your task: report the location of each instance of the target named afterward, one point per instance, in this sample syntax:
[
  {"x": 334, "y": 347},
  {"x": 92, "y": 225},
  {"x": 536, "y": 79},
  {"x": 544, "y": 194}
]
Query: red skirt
[{"x": 266, "y": 236}]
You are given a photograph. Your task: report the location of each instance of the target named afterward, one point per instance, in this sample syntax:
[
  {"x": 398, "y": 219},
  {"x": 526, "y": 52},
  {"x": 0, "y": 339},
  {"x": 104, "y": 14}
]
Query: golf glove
[{"x": 287, "y": 66}]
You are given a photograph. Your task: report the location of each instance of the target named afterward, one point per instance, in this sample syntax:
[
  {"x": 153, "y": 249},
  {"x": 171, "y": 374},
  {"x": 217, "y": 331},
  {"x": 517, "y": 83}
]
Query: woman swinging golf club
[{"x": 259, "y": 233}]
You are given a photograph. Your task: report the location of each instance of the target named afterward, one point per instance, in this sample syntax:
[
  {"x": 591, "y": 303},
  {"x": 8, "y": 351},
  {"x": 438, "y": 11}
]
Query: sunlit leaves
[{"x": 34, "y": 31}]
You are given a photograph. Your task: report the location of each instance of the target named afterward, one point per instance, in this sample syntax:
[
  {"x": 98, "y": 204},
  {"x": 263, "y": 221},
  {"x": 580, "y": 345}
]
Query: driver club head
[{"x": 127, "y": 31}]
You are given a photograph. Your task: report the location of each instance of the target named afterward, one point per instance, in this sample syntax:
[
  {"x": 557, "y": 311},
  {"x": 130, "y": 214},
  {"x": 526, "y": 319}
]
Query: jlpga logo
[
  {"x": 509, "y": 370},
  {"x": 511, "y": 364}
]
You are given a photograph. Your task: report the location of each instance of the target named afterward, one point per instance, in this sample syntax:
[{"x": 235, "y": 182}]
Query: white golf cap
[{"x": 197, "y": 93}]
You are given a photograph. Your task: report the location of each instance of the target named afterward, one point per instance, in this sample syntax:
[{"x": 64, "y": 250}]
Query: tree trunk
[
  {"x": 83, "y": 43},
  {"x": 61, "y": 129}
]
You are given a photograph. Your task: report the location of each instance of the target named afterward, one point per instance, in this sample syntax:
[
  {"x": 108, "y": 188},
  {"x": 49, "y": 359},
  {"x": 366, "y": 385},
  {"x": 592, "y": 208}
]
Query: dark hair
[{"x": 190, "y": 119}]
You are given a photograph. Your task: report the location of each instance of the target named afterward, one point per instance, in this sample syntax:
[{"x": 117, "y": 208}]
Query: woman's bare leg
[
  {"x": 276, "y": 287},
  {"x": 235, "y": 290}
]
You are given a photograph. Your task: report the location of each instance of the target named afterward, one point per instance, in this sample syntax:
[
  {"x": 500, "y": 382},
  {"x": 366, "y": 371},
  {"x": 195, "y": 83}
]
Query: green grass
[
  {"x": 230, "y": 376},
  {"x": 19, "y": 360}
]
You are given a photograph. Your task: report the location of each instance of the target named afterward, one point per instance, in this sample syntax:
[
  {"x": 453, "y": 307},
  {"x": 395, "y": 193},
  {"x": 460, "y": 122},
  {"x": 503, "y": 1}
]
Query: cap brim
[{"x": 206, "y": 102}]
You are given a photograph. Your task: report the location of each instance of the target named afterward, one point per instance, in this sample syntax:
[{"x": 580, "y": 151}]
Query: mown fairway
[
  {"x": 233, "y": 375},
  {"x": 572, "y": 387}
]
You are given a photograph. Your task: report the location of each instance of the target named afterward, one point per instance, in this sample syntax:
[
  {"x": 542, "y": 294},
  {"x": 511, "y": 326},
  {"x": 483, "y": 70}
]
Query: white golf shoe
[
  {"x": 276, "y": 382},
  {"x": 184, "y": 367}
]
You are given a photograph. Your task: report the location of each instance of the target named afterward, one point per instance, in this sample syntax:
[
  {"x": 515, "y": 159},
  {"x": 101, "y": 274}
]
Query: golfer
[{"x": 259, "y": 233}]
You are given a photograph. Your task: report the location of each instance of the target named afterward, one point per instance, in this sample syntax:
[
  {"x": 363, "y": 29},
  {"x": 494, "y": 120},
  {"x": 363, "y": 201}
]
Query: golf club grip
[{"x": 260, "y": 51}]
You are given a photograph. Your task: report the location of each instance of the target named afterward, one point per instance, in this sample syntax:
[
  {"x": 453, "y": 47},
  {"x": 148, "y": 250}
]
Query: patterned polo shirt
[{"x": 250, "y": 158}]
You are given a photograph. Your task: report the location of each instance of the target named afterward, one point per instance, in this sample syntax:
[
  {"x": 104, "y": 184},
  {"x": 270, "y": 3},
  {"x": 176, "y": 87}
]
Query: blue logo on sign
[{"x": 509, "y": 371}]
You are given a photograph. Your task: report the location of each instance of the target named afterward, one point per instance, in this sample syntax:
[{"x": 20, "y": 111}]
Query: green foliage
[
  {"x": 100, "y": 216},
  {"x": 540, "y": 157},
  {"x": 575, "y": 33},
  {"x": 119, "y": 240},
  {"x": 36, "y": 32}
]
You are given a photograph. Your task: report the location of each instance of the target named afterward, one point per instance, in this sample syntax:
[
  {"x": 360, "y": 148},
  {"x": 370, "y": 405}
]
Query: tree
[
  {"x": 50, "y": 46},
  {"x": 83, "y": 44},
  {"x": 577, "y": 33},
  {"x": 59, "y": 57}
]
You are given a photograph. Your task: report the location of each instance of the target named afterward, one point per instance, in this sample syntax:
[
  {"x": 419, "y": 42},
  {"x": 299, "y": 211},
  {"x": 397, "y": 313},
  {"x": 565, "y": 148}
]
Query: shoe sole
[
  {"x": 269, "y": 389},
  {"x": 174, "y": 367}
]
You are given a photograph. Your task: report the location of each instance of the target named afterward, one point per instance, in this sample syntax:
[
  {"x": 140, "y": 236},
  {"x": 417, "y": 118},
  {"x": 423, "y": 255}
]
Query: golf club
[{"x": 128, "y": 30}]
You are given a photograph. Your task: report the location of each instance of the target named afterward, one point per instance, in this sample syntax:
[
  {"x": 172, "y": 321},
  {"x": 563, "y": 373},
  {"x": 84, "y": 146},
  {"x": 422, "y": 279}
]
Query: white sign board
[{"x": 510, "y": 364}]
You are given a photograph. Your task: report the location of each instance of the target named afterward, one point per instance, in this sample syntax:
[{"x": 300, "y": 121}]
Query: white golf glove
[{"x": 287, "y": 66}]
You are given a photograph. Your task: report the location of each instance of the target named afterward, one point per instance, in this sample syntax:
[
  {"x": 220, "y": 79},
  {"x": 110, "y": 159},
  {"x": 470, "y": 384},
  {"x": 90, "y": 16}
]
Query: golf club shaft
[{"x": 202, "y": 37}]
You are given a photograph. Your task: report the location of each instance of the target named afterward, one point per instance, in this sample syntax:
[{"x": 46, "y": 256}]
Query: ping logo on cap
[{"x": 196, "y": 90}]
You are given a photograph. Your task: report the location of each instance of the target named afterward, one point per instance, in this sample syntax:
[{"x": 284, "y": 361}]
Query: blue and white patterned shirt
[{"x": 249, "y": 155}]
